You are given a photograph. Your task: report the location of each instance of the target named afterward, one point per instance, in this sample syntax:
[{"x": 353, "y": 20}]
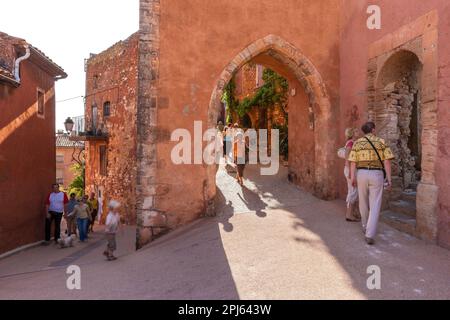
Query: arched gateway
[
  {"x": 181, "y": 77},
  {"x": 319, "y": 107}
]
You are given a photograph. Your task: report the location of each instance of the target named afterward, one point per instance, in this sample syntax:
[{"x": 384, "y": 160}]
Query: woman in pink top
[{"x": 352, "y": 213}]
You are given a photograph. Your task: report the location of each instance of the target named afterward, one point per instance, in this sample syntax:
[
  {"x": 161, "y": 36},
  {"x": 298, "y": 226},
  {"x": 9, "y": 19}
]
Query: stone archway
[
  {"x": 319, "y": 109},
  {"x": 397, "y": 110},
  {"x": 411, "y": 69}
]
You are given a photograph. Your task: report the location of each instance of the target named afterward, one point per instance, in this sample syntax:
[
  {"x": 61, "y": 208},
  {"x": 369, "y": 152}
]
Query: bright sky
[{"x": 68, "y": 31}]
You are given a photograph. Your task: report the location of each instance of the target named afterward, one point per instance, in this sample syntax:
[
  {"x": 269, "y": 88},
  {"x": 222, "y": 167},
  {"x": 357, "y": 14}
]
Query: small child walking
[{"x": 112, "y": 226}]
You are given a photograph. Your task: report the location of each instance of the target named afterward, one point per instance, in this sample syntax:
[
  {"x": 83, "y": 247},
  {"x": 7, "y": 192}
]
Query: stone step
[
  {"x": 399, "y": 221},
  {"x": 404, "y": 207},
  {"x": 409, "y": 196},
  {"x": 413, "y": 186}
]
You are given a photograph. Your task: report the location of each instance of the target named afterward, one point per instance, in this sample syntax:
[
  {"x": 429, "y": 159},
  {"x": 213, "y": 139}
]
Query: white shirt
[
  {"x": 112, "y": 222},
  {"x": 56, "y": 202}
]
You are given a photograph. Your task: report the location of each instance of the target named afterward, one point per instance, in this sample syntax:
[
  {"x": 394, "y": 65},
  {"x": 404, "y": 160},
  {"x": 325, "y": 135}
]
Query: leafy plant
[
  {"x": 284, "y": 139},
  {"x": 229, "y": 118},
  {"x": 229, "y": 99},
  {"x": 78, "y": 183},
  {"x": 273, "y": 91}
]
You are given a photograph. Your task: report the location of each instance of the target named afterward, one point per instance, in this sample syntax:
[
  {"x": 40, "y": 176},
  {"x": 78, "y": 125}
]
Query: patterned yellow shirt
[{"x": 365, "y": 156}]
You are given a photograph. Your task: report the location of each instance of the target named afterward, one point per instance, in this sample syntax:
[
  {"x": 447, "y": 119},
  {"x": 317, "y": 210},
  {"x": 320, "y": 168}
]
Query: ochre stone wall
[{"x": 111, "y": 76}]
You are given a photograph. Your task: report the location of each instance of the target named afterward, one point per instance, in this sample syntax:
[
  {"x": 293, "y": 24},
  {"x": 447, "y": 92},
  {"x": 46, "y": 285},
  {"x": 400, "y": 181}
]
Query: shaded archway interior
[
  {"x": 300, "y": 122},
  {"x": 397, "y": 111},
  {"x": 398, "y": 94},
  {"x": 282, "y": 57}
]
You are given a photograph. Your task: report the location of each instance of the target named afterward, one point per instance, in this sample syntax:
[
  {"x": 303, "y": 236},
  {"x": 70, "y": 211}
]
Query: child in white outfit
[{"x": 112, "y": 226}]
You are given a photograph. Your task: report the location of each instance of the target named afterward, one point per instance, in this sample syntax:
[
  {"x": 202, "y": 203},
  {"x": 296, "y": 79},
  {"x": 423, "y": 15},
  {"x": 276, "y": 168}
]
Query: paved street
[{"x": 271, "y": 240}]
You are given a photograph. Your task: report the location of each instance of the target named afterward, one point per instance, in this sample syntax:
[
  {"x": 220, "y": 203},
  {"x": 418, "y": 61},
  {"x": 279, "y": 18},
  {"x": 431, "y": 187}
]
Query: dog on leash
[{"x": 66, "y": 241}]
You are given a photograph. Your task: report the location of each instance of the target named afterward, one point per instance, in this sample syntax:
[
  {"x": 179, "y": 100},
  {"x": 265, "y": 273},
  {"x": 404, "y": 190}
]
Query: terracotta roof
[
  {"x": 42, "y": 60},
  {"x": 62, "y": 140},
  {"x": 13, "y": 47},
  {"x": 7, "y": 75}
]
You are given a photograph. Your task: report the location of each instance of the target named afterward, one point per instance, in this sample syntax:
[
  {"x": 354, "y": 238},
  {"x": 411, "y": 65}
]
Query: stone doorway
[
  {"x": 399, "y": 85},
  {"x": 397, "y": 112},
  {"x": 413, "y": 56}
]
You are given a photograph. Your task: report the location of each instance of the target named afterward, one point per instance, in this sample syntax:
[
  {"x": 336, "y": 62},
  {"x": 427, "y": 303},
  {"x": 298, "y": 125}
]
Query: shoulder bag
[{"x": 379, "y": 158}]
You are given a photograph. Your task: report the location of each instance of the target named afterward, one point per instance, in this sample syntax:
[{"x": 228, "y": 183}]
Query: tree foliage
[
  {"x": 273, "y": 91},
  {"x": 78, "y": 183}
]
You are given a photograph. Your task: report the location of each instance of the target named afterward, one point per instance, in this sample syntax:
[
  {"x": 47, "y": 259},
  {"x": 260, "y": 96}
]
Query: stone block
[
  {"x": 427, "y": 203},
  {"x": 144, "y": 236},
  {"x": 154, "y": 219}
]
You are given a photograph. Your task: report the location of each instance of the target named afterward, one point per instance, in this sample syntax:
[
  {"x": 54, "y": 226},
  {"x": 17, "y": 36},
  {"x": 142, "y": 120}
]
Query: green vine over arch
[{"x": 273, "y": 91}]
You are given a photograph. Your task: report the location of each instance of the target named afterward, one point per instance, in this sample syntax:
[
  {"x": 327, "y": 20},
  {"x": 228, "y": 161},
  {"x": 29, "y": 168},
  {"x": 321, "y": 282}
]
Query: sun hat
[
  {"x": 113, "y": 204},
  {"x": 349, "y": 133}
]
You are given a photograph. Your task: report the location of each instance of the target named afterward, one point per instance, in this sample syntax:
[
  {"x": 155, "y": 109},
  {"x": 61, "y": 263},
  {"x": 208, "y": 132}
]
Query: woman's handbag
[{"x": 341, "y": 152}]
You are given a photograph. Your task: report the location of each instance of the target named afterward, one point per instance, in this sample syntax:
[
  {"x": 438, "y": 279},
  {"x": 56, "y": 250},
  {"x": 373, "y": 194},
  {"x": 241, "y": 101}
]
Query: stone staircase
[{"x": 401, "y": 212}]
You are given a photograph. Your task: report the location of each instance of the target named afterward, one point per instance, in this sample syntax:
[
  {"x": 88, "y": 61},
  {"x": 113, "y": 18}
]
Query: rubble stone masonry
[{"x": 111, "y": 76}]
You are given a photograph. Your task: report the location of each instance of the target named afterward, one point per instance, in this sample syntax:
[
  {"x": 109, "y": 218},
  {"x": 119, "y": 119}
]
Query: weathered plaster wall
[{"x": 116, "y": 72}]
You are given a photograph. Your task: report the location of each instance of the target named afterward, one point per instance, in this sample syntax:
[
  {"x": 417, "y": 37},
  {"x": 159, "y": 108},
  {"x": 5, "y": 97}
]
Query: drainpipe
[{"x": 18, "y": 61}]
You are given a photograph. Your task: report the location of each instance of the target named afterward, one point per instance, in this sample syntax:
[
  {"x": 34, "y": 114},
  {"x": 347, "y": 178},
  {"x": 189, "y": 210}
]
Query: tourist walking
[
  {"x": 352, "y": 192},
  {"x": 70, "y": 215},
  {"x": 83, "y": 216},
  {"x": 240, "y": 154},
  {"x": 220, "y": 126},
  {"x": 55, "y": 206},
  {"x": 219, "y": 147},
  {"x": 228, "y": 137},
  {"x": 370, "y": 160},
  {"x": 111, "y": 227},
  {"x": 93, "y": 205}
]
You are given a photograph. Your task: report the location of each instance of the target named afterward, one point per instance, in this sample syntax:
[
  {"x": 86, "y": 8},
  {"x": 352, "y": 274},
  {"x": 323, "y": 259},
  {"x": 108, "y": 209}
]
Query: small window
[
  {"x": 60, "y": 158},
  {"x": 60, "y": 176},
  {"x": 40, "y": 103},
  {"x": 259, "y": 75},
  {"x": 94, "y": 117},
  {"x": 103, "y": 160},
  {"x": 107, "y": 109},
  {"x": 95, "y": 84}
]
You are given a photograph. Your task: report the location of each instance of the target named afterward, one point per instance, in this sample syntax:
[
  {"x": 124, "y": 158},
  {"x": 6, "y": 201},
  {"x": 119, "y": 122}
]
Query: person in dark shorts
[
  {"x": 93, "y": 205},
  {"x": 112, "y": 225}
]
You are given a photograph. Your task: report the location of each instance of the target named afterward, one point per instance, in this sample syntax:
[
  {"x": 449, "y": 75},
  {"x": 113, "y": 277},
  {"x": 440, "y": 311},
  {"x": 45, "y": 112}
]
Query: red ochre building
[
  {"x": 27, "y": 140},
  {"x": 340, "y": 72}
]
